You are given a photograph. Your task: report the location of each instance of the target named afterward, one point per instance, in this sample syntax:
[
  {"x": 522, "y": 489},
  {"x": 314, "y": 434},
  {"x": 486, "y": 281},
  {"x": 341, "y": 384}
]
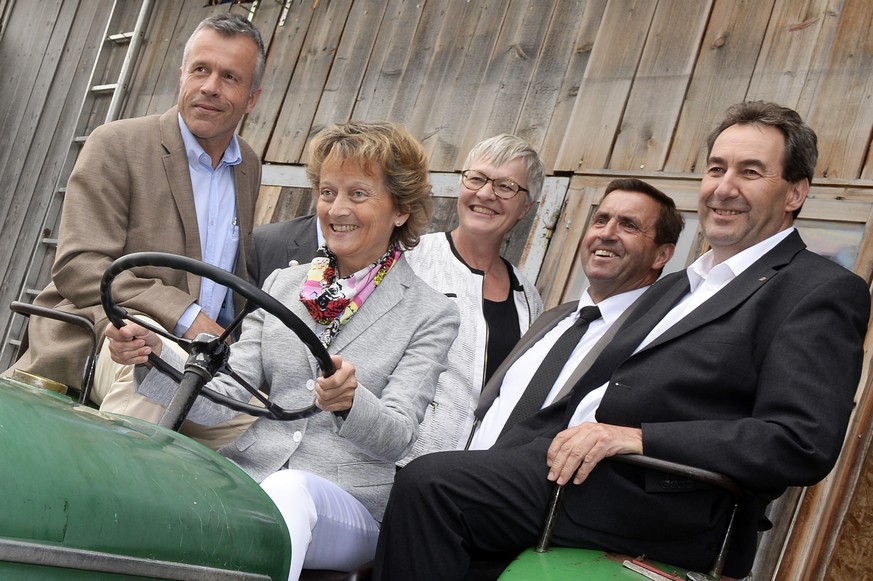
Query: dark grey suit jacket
[
  {"x": 757, "y": 382},
  {"x": 276, "y": 245}
]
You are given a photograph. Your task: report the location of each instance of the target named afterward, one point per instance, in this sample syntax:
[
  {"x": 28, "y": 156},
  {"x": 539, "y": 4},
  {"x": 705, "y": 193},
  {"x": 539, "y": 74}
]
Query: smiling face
[
  {"x": 215, "y": 87},
  {"x": 356, "y": 212},
  {"x": 743, "y": 198},
  {"x": 619, "y": 252},
  {"x": 482, "y": 213}
]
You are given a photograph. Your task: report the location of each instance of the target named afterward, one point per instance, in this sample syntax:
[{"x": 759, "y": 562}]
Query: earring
[{"x": 398, "y": 224}]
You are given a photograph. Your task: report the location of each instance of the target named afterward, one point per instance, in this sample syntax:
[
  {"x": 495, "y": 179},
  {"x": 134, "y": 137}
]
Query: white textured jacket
[{"x": 449, "y": 417}]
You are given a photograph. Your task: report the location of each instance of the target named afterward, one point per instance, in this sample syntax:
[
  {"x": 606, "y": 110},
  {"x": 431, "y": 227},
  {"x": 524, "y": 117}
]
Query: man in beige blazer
[{"x": 154, "y": 184}]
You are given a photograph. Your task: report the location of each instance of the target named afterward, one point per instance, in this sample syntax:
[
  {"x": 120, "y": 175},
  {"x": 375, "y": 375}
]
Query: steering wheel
[{"x": 209, "y": 354}]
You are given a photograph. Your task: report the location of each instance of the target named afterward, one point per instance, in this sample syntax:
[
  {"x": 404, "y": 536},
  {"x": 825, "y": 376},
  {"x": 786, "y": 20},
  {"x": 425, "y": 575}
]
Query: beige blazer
[{"x": 130, "y": 191}]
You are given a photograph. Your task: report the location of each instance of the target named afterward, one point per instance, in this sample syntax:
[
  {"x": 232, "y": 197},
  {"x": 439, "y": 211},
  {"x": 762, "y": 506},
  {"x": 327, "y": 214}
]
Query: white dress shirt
[
  {"x": 519, "y": 375},
  {"x": 706, "y": 279}
]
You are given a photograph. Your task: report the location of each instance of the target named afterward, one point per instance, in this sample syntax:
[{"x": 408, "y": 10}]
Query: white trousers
[{"x": 330, "y": 529}]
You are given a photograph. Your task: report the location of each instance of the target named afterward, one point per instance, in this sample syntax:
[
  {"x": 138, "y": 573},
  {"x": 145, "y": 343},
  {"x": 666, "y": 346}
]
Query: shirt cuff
[{"x": 187, "y": 319}]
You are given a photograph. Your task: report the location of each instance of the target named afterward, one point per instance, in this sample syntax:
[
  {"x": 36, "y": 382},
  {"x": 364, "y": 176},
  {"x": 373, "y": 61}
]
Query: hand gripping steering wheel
[{"x": 209, "y": 354}]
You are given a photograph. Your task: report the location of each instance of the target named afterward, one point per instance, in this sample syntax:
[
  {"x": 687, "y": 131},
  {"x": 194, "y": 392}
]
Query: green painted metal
[
  {"x": 74, "y": 477},
  {"x": 20, "y": 572},
  {"x": 561, "y": 563}
]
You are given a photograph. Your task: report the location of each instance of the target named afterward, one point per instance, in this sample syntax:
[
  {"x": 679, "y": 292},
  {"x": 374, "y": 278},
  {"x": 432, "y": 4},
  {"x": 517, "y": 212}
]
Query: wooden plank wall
[
  {"x": 5, "y": 10},
  {"x": 46, "y": 52},
  {"x": 576, "y": 78},
  {"x": 603, "y": 88}
]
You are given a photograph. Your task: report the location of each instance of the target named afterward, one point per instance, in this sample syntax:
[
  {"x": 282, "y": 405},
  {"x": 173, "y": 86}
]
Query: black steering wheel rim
[{"x": 255, "y": 298}]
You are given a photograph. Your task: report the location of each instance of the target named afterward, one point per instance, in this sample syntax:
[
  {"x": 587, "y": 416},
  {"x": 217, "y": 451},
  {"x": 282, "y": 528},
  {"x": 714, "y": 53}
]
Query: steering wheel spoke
[
  {"x": 123, "y": 314},
  {"x": 251, "y": 409}
]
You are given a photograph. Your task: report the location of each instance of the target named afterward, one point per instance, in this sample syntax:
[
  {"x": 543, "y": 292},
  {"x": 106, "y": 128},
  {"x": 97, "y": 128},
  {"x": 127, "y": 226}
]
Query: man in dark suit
[
  {"x": 746, "y": 364},
  {"x": 632, "y": 235},
  {"x": 280, "y": 244}
]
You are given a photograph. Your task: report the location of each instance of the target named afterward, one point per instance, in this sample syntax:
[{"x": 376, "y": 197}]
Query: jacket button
[
  {"x": 297, "y": 436},
  {"x": 310, "y": 384}
]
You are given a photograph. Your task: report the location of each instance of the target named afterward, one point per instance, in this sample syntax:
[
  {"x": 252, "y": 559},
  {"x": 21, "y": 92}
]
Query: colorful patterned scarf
[{"x": 332, "y": 300}]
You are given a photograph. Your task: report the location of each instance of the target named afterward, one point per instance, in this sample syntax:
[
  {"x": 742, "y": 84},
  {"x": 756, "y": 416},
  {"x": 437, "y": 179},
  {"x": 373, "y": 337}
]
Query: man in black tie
[
  {"x": 746, "y": 363},
  {"x": 632, "y": 236}
]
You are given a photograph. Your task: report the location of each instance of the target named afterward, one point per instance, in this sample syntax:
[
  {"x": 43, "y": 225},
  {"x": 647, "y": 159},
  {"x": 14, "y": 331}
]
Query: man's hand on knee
[{"x": 577, "y": 450}]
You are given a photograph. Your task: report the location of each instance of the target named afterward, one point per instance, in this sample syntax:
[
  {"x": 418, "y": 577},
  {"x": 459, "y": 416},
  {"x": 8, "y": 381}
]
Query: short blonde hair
[{"x": 393, "y": 150}]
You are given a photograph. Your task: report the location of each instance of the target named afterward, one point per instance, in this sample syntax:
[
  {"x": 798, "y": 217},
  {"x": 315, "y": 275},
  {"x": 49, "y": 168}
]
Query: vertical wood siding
[{"x": 603, "y": 88}]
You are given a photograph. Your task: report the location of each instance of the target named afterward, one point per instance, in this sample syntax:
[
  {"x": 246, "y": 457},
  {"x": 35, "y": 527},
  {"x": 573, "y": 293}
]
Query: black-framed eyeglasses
[{"x": 504, "y": 188}]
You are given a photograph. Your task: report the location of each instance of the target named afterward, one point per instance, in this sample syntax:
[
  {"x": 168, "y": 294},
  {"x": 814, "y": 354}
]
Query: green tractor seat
[
  {"x": 544, "y": 564},
  {"x": 562, "y": 563}
]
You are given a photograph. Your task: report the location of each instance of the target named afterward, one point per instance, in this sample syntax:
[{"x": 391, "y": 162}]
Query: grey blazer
[
  {"x": 276, "y": 245},
  {"x": 397, "y": 342}
]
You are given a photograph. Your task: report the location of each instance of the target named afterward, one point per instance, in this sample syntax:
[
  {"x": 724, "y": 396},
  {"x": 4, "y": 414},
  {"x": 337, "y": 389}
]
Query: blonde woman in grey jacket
[
  {"x": 502, "y": 177},
  {"x": 386, "y": 330}
]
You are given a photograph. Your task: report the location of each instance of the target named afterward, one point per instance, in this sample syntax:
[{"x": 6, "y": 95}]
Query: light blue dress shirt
[{"x": 217, "y": 222}]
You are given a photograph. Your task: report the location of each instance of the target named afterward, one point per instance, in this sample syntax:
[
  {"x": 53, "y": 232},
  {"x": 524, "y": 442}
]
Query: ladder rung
[
  {"x": 121, "y": 37},
  {"x": 125, "y": 44},
  {"x": 15, "y": 342},
  {"x": 104, "y": 88}
]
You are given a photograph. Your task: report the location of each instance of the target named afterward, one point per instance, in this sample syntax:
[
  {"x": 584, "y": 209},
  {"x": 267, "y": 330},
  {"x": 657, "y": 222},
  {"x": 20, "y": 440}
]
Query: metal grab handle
[
  {"x": 555, "y": 501},
  {"x": 74, "y": 319},
  {"x": 699, "y": 474}
]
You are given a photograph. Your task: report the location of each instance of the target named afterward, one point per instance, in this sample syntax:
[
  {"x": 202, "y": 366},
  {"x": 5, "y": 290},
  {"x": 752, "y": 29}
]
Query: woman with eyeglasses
[{"x": 502, "y": 177}]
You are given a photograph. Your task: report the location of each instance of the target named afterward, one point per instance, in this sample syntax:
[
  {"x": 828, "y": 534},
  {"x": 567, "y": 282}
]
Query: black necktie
[{"x": 544, "y": 379}]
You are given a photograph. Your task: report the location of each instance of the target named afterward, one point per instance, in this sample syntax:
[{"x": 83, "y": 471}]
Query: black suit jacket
[
  {"x": 276, "y": 245},
  {"x": 545, "y": 323},
  {"x": 757, "y": 383}
]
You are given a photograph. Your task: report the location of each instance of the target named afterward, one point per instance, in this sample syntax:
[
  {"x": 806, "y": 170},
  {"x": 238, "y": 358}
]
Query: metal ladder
[{"x": 106, "y": 66}]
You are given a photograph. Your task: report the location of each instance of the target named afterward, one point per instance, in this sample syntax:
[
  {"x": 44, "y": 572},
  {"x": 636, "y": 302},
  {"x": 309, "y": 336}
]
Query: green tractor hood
[{"x": 88, "y": 495}]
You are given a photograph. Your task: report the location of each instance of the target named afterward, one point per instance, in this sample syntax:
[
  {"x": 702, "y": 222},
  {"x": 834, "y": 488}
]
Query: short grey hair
[
  {"x": 229, "y": 24},
  {"x": 505, "y": 148}
]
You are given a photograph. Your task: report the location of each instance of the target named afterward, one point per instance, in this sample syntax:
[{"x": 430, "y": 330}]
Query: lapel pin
[{"x": 762, "y": 279}]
